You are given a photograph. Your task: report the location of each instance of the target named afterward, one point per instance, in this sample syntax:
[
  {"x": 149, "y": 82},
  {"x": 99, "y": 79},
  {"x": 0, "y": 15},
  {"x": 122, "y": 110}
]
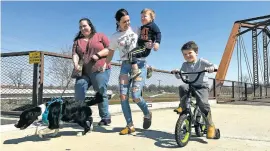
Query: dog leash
[{"x": 66, "y": 87}]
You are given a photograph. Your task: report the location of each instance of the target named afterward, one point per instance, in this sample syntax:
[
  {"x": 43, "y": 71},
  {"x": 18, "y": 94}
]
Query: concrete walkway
[{"x": 243, "y": 128}]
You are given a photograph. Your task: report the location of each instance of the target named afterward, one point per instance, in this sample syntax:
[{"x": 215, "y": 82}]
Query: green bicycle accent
[
  {"x": 187, "y": 134},
  {"x": 203, "y": 127}
]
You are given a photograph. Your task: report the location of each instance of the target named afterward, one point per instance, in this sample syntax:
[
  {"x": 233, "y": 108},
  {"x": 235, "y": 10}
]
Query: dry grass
[{"x": 171, "y": 99}]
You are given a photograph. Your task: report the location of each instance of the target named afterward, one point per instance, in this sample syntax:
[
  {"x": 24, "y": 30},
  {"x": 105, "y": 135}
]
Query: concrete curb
[{"x": 116, "y": 109}]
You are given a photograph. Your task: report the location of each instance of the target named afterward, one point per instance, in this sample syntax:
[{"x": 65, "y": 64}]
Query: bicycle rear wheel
[
  {"x": 183, "y": 130},
  {"x": 200, "y": 126}
]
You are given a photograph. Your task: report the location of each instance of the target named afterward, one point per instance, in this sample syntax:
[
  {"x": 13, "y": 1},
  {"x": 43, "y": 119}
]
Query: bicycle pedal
[{"x": 176, "y": 112}]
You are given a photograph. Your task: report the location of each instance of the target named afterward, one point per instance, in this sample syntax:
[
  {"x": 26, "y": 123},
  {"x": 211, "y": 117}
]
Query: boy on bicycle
[{"x": 193, "y": 64}]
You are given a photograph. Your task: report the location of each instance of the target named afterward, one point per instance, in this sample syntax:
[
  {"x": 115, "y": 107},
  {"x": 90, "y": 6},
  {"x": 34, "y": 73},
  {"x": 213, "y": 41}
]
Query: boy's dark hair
[{"x": 190, "y": 45}]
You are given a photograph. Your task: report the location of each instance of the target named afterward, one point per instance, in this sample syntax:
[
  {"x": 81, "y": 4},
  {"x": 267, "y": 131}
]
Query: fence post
[
  {"x": 35, "y": 85},
  {"x": 214, "y": 88},
  {"x": 232, "y": 89},
  {"x": 254, "y": 89},
  {"x": 41, "y": 78},
  {"x": 261, "y": 91},
  {"x": 245, "y": 91},
  {"x": 265, "y": 90}
]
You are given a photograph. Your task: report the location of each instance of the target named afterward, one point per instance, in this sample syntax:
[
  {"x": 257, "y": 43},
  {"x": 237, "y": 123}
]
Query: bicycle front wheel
[{"x": 183, "y": 130}]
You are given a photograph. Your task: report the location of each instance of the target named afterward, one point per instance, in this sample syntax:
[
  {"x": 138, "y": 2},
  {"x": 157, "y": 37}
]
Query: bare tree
[
  {"x": 16, "y": 77},
  {"x": 61, "y": 68},
  {"x": 242, "y": 81},
  {"x": 245, "y": 79}
]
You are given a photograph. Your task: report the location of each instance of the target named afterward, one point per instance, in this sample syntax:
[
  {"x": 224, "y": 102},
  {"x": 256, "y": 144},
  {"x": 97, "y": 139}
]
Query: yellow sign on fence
[{"x": 34, "y": 57}]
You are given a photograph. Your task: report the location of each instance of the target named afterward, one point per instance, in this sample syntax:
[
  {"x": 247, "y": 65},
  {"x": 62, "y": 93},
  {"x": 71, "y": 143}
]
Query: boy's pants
[
  {"x": 138, "y": 52},
  {"x": 201, "y": 94}
]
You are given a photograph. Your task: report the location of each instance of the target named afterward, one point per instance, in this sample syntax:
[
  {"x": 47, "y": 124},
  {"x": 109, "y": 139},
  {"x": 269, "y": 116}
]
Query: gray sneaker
[
  {"x": 135, "y": 73},
  {"x": 149, "y": 72},
  {"x": 147, "y": 121}
]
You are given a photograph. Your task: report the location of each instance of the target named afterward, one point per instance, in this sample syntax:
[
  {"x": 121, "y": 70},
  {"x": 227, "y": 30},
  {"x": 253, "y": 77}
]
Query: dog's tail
[{"x": 97, "y": 99}]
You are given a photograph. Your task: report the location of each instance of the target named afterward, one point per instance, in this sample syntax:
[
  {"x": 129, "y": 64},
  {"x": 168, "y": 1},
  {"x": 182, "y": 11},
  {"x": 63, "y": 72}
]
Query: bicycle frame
[
  {"x": 189, "y": 95},
  {"x": 190, "y": 104},
  {"x": 191, "y": 119}
]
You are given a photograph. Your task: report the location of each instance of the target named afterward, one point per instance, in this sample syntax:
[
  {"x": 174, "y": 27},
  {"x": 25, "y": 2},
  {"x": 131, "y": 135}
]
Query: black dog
[{"x": 70, "y": 110}]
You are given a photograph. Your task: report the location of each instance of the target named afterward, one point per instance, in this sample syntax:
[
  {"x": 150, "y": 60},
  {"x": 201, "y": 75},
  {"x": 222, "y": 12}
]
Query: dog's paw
[
  {"x": 88, "y": 123},
  {"x": 40, "y": 135},
  {"x": 80, "y": 134},
  {"x": 53, "y": 135}
]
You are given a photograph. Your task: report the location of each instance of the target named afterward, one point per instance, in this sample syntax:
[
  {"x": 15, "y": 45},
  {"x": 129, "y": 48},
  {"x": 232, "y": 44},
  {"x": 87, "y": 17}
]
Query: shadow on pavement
[
  {"x": 33, "y": 138},
  {"x": 36, "y": 138},
  {"x": 163, "y": 139}
]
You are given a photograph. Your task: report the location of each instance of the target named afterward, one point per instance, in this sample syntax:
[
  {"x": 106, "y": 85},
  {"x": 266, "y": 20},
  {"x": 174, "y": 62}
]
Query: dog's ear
[
  {"x": 54, "y": 115},
  {"x": 36, "y": 112}
]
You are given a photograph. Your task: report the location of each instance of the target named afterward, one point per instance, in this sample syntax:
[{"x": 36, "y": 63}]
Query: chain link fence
[
  {"x": 16, "y": 82},
  {"x": 24, "y": 85}
]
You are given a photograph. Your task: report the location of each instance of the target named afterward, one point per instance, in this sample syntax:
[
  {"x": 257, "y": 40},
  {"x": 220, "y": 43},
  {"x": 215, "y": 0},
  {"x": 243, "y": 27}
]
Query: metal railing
[{"x": 25, "y": 85}]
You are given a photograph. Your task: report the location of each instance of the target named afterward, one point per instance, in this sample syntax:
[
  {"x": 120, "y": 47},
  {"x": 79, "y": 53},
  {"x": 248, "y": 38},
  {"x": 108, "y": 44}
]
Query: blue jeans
[
  {"x": 137, "y": 86},
  {"x": 99, "y": 81}
]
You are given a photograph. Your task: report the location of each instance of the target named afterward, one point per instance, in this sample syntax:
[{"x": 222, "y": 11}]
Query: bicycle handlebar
[{"x": 190, "y": 82}]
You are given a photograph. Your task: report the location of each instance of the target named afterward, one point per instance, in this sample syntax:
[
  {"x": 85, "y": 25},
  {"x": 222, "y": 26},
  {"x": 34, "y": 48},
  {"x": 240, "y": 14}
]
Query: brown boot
[
  {"x": 178, "y": 110},
  {"x": 211, "y": 132},
  {"x": 127, "y": 130}
]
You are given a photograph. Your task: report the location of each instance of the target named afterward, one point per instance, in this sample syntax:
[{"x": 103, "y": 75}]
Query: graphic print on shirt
[
  {"x": 127, "y": 43},
  {"x": 144, "y": 33}
]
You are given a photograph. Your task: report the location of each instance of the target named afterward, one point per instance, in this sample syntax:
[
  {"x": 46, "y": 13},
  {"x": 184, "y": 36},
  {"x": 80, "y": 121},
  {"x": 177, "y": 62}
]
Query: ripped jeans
[{"x": 136, "y": 93}]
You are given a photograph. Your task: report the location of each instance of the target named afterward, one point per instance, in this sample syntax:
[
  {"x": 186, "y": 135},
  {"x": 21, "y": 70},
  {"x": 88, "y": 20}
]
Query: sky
[{"x": 51, "y": 26}]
